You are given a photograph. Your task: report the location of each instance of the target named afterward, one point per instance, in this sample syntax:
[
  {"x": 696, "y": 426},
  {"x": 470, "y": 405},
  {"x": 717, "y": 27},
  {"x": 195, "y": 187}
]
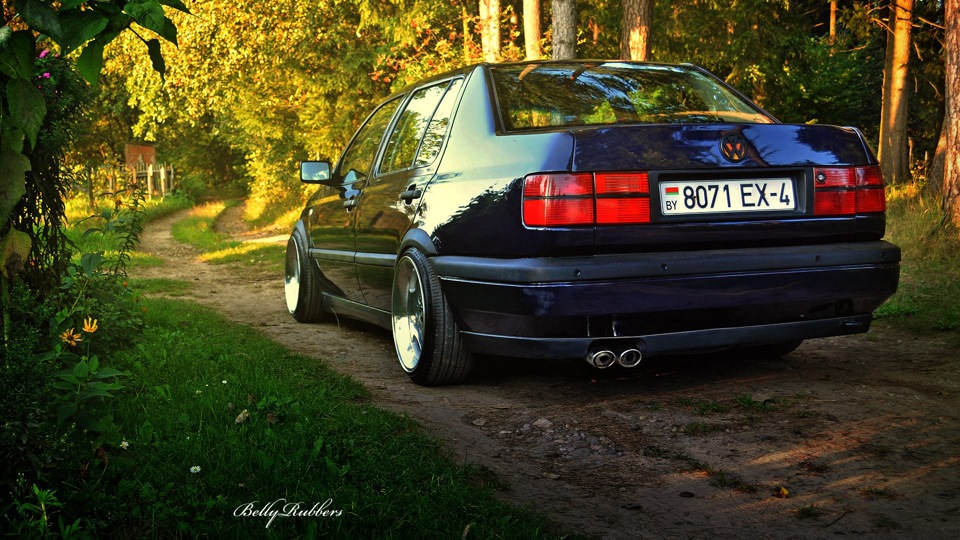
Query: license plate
[{"x": 716, "y": 196}]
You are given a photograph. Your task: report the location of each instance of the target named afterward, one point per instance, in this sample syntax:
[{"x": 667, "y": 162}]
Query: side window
[
  {"x": 433, "y": 138},
  {"x": 360, "y": 155},
  {"x": 413, "y": 123}
]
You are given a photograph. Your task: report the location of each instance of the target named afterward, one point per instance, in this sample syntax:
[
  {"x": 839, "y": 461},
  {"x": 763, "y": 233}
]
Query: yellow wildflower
[
  {"x": 90, "y": 325},
  {"x": 70, "y": 338}
]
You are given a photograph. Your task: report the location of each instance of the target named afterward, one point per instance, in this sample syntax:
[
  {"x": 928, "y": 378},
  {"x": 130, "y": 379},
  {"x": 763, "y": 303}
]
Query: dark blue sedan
[{"x": 604, "y": 210}]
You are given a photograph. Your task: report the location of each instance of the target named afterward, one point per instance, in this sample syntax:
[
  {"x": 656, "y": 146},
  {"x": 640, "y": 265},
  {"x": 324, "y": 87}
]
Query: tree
[
  {"x": 635, "y": 39},
  {"x": 490, "y": 29},
  {"x": 31, "y": 211},
  {"x": 893, "y": 151},
  {"x": 951, "y": 124},
  {"x": 564, "y": 29},
  {"x": 531, "y": 29}
]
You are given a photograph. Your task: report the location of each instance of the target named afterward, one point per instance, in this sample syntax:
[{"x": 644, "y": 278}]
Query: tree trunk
[
  {"x": 490, "y": 29},
  {"x": 531, "y": 28},
  {"x": 939, "y": 162},
  {"x": 893, "y": 156},
  {"x": 833, "y": 21},
  {"x": 635, "y": 38},
  {"x": 564, "y": 29},
  {"x": 951, "y": 123}
]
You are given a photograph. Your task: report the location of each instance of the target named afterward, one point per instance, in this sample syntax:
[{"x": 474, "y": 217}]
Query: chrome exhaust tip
[
  {"x": 630, "y": 358},
  {"x": 601, "y": 358}
]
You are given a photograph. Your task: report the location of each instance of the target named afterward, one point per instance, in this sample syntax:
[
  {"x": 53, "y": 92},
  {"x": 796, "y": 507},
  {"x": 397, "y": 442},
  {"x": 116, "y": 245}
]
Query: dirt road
[{"x": 847, "y": 436}]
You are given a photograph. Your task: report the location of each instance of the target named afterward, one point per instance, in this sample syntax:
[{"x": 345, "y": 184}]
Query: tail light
[
  {"x": 847, "y": 191},
  {"x": 561, "y": 200}
]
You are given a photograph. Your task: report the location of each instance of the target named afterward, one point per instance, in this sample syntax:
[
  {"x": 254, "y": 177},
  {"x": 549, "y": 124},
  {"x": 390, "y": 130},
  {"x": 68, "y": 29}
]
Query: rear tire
[
  {"x": 425, "y": 335},
  {"x": 301, "y": 284}
]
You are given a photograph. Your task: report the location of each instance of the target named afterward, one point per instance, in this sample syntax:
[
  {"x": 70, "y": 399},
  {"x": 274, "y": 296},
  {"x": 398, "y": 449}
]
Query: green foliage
[
  {"x": 32, "y": 91},
  {"x": 926, "y": 299},
  {"x": 34, "y": 516},
  {"x": 218, "y": 417}
]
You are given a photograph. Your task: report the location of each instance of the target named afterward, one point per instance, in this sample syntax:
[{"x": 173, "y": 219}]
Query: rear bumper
[{"x": 667, "y": 302}]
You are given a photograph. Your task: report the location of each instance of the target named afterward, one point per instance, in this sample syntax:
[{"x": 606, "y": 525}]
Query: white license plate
[{"x": 716, "y": 196}]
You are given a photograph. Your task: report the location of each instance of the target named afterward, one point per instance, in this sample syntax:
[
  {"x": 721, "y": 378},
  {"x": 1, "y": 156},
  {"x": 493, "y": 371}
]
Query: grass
[
  {"x": 170, "y": 287},
  {"x": 82, "y": 229},
  {"x": 263, "y": 424},
  {"x": 808, "y": 512},
  {"x": 929, "y": 294},
  {"x": 703, "y": 407},
  {"x": 198, "y": 230}
]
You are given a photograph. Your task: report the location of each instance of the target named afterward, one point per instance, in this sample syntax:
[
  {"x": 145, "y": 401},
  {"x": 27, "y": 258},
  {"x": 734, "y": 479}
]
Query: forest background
[{"x": 255, "y": 87}]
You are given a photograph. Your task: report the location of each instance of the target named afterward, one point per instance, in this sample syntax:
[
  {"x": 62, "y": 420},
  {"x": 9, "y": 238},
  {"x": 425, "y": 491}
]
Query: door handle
[{"x": 410, "y": 194}]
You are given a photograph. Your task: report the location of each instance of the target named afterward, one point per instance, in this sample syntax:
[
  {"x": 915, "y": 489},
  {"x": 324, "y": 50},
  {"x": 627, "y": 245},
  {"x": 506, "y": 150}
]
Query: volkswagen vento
[{"x": 597, "y": 209}]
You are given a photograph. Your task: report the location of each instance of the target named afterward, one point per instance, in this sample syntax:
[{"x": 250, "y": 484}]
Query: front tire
[
  {"x": 425, "y": 335},
  {"x": 301, "y": 285}
]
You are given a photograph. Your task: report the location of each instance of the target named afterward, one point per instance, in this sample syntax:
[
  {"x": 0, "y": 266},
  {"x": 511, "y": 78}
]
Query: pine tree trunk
[
  {"x": 951, "y": 124},
  {"x": 894, "y": 159},
  {"x": 564, "y": 29},
  {"x": 531, "y": 28},
  {"x": 635, "y": 38}
]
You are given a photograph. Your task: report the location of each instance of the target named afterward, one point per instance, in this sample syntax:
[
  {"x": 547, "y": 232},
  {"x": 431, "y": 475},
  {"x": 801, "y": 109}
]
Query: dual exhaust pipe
[{"x": 602, "y": 357}]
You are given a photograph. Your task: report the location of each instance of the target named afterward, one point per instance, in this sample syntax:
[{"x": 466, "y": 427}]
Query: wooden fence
[{"x": 158, "y": 180}]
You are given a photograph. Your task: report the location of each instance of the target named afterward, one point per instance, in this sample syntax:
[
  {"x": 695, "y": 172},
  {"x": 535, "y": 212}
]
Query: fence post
[
  {"x": 163, "y": 181},
  {"x": 172, "y": 178},
  {"x": 149, "y": 182}
]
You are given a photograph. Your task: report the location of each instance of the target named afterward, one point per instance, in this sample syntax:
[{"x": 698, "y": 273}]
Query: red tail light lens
[
  {"x": 847, "y": 191},
  {"x": 557, "y": 212},
  {"x": 623, "y": 211},
  {"x": 558, "y": 185},
  {"x": 625, "y": 183},
  {"x": 559, "y": 200}
]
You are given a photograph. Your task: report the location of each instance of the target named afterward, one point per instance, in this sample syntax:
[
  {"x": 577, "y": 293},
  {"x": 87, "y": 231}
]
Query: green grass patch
[
  {"x": 808, "y": 512},
  {"x": 170, "y": 287},
  {"x": 703, "y": 407},
  {"x": 929, "y": 294},
  {"x": 197, "y": 229},
  {"x": 263, "y": 256},
  {"x": 874, "y": 493},
  {"x": 747, "y": 402},
  {"x": 216, "y": 416}
]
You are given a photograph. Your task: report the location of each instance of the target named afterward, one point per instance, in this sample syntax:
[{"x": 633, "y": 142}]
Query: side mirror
[{"x": 314, "y": 172}]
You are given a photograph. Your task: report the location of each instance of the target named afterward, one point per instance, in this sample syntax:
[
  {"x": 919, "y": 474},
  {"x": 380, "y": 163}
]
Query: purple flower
[
  {"x": 46, "y": 75},
  {"x": 44, "y": 53}
]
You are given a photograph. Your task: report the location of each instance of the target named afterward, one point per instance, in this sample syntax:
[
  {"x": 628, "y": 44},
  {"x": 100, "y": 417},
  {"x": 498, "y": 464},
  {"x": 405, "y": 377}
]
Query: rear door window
[{"x": 416, "y": 139}]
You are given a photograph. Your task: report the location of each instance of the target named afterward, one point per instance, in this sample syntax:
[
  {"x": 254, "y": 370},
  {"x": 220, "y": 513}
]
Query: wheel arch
[{"x": 417, "y": 238}]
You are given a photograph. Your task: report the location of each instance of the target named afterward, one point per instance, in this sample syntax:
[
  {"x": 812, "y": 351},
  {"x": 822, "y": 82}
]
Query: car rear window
[{"x": 535, "y": 96}]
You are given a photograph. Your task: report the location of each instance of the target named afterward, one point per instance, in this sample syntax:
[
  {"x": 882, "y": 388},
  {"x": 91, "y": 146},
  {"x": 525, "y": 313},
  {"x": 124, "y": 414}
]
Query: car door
[
  {"x": 332, "y": 219},
  {"x": 390, "y": 200}
]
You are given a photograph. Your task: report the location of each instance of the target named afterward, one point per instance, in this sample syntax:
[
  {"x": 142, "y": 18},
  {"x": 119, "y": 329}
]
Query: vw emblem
[{"x": 733, "y": 147}]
